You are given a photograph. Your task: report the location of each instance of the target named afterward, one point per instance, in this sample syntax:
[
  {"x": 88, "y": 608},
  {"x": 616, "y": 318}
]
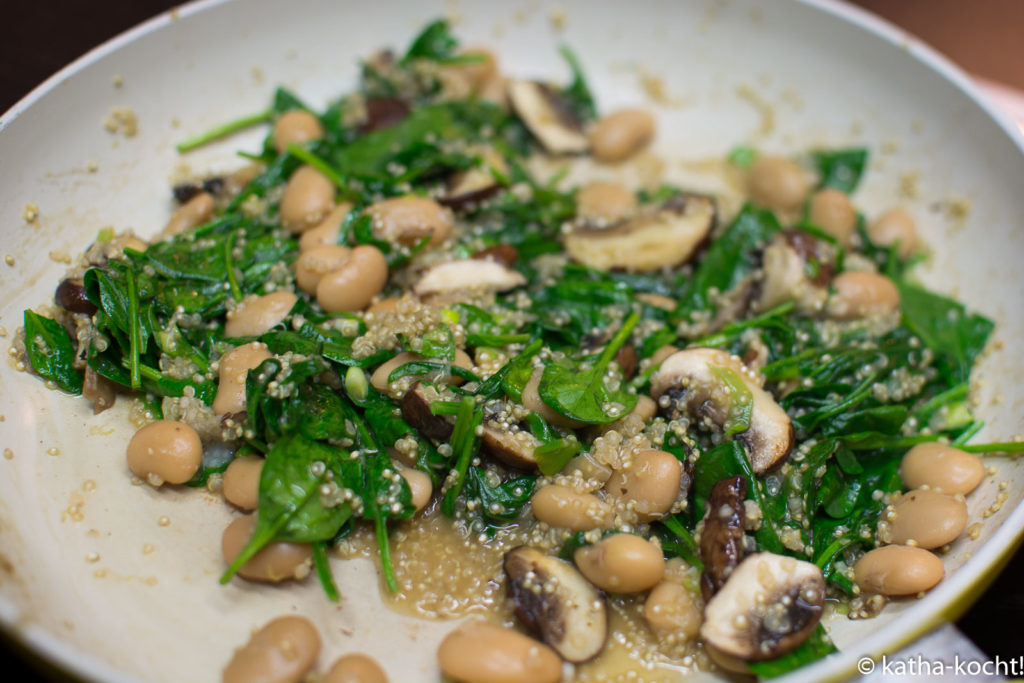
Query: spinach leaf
[
  {"x": 729, "y": 259},
  {"x": 434, "y": 42},
  {"x": 579, "y": 392},
  {"x": 841, "y": 169},
  {"x": 577, "y": 94},
  {"x": 291, "y": 507},
  {"x": 817, "y": 645},
  {"x": 554, "y": 455},
  {"x": 499, "y": 505},
  {"x": 50, "y": 352},
  {"x": 946, "y": 327}
]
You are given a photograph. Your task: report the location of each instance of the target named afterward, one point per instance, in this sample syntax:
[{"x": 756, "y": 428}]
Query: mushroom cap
[
  {"x": 647, "y": 241},
  {"x": 468, "y": 274},
  {"x": 551, "y": 597},
  {"x": 540, "y": 110},
  {"x": 688, "y": 377},
  {"x": 769, "y": 605}
]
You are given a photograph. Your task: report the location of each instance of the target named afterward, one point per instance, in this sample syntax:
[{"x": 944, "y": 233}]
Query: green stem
[
  {"x": 1011, "y": 447},
  {"x": 229, "y": 246},
  {"x": 323, "y": 571},
  {"x": 385, "y": 553},
  {"x": 222, "y": 130},
  {"x": 463, "y": 443},
  {"x": 685, "y": 541},
  {"x": 134, "y": 333},
  {"x": 616, "y": 343},
  {"x": 307, "y": 157}
]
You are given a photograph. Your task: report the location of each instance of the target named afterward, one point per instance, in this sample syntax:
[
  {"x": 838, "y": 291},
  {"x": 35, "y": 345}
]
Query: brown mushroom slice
[
  {"x": 551, "y": 597},
  {"x": 689, "y": 380},
  {"x": 469, "y": 274},
  {"x": 416, "y": 411},
  {"x": 514, "y": 447},
  {"x": 785, "y": 264},
  {"x": 476, "y": 183},
  {"x": 721, "y": 543},
  {"x": 647, "y": 241},
  {"x": 769, "y": 605},
  {"x": 539, "y": 108}
]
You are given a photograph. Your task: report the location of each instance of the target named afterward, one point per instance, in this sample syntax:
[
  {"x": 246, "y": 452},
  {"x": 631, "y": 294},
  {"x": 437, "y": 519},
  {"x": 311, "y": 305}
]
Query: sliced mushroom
[
  {"x": 98, "y": 390},
  {"x": 688, "y": 379},
  {"x": 721, "y": 543},
  {"x": 476, "y": 183},
  {"x": 383, "y": 112},
  {"x": 416, "y": 411},
  {"x": 648, "y": 241},
  {"x": 769, "y": 605},
  {"x": 514, "y": 447},
  {"x": 551, "y": 122},
  {"x": 551, "y": 597},
  {"x": 470, "y": 274},
  {"x": 505, "y": 254},
  {"x": 787, "y": 264}
]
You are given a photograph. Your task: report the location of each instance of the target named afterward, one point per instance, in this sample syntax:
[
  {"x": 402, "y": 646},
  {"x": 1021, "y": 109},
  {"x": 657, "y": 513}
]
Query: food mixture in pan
[{"x": 624, "y": 427}]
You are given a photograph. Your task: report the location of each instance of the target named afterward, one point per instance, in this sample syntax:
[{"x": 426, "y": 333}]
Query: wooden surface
[{"x": 986, "y": 37}]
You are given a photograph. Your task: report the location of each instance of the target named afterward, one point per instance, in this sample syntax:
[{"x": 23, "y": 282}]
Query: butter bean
[
  {"x": 191, "y": 214},
  {"x": 283, "y": 651},
  {"x": 622, "y": 563},
  {"x": 406, "y": 220},
  {"x": 941, "y": 467},
  {"x": 898, "y": 570},
  {"x": 832, "y": 211},
  {"x": 296, "y": 127},
  {"x": 234, "y": 368},
  {"x": 929, "y": 518},
  {"x": 562, "y": 507},
  {"x": 257, "y": 314},
  {"x": 325, "y": 232},
  {"x": 307, "y": 199},
  {"x": 379, "y": 378},
  {"x": 353, "y": 284},
  {"x": 241, "y": 483},
  {"x": 420, "y": 485},
  {"x": 672, "y": 608},
  {"x": 862, "y": 293},
  {"x": 604, "y": 202},
  {"x": 651, "y": 483},
  {"x": 485, "y": 653},
  {"x": 277, "y": 561},
  {"x": 165, "y": 451},
  {"x": 355, "y": 668},
  {"x": 622, "y": 134},
  {"x": 314, "y": 263},
  {"x": 892, "y": 227},
  {"x": 777, "y": 183}
]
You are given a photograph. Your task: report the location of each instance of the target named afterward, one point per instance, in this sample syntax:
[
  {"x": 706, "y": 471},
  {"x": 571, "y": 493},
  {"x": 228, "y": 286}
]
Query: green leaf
[
  {"x": 578, "y": 93},
  {"x": 817, "y": 645},
  {"x": 290, "y": 505},
  {"x": 51, "y": 353},
  {"x": 730, "y": 258},
  {"x": 741, "y": 401},
  {"x": 464, "y": 443},
  {"x": 552, "y": 457},
  {"x": 581, "y": 394},
  {"x": 434, "y": 42},
  {"x": 841, "y": 169},
  {"x": 498, "y": 505},
  {"x": 945, "y": 327}
]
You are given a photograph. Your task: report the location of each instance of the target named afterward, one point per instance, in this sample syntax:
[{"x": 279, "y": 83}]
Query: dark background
[{"x": 986, "y": 37}]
